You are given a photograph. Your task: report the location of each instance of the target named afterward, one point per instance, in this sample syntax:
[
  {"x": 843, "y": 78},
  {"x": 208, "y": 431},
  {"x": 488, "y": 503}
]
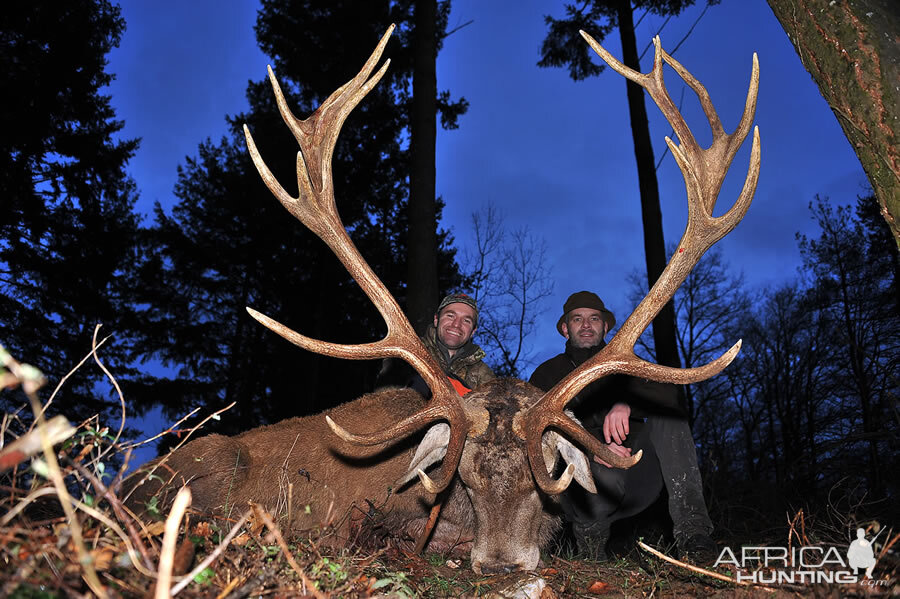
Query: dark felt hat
[{"x": 585, "y": 299}]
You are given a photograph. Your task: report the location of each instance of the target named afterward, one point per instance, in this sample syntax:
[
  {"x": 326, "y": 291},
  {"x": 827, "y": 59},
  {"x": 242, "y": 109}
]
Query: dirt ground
[{"x": 40, "y": 560}]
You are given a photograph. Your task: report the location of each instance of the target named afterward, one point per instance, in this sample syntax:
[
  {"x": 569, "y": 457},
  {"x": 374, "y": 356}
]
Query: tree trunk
[
  {"x": 654, "y": 244},
  {"x": 422, "y": 290},
  {"x": 851, "y": 50}
]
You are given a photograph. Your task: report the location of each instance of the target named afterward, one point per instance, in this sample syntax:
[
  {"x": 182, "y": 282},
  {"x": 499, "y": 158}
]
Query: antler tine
[
  {"x": 315, "y": 207},
  {"x": 704, "y": 171},
  {"x": 317, "y": 136},
  {"x": 434, "y": 411},
  {"x": 724, "y": 146},
  {"x": 576, "y": 432}
]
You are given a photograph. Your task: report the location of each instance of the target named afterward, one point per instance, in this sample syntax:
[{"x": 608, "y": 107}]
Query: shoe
[
  {"x": 699, "y": 549},
  {"x": 591, "y": 541}
]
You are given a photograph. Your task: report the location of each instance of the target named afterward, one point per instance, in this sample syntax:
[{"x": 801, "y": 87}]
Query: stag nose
[{"x": 499, "y": 568}]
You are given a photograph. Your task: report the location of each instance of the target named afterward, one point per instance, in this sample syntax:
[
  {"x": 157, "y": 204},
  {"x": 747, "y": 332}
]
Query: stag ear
[
  {"x": 553, "y": 444},
  {"x": 431, "y": 450}
]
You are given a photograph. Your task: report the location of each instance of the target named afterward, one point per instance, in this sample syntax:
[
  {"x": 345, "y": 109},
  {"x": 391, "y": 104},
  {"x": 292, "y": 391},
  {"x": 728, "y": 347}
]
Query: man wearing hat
[
  {"x": 449, "y": 341},
  {"x": 628, "y": 414}
]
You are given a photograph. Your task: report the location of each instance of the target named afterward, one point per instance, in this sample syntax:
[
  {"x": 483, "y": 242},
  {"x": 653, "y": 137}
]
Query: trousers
[{"x": 669, "y": 461}]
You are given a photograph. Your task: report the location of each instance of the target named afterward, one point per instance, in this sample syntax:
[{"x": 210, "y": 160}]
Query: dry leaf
[
  {"x": 549, "y": 572},
  {"x": 156, "y": 528},
  {"x": 598, "y": 587},
  {"x": 83, "y": 453},
  {"x": 203, "y": 530},
  {"x": 23, "y": 553},
  {"x": 549, "y": 593},
  {"x": 256, "y": 524},
  {"x": 241, "y": 539},
  {"x": 103, "y": 558}
]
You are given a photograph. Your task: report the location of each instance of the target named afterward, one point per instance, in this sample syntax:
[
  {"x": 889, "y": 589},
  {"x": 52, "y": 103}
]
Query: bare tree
[
  {"x": 708, "y": 307},
  {"x": 509, "y": 280},
  {"x": 853, "y": 290}
]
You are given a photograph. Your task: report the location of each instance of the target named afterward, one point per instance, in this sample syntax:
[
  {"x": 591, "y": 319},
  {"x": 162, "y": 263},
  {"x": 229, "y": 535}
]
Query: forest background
[{"x": 165, "y": 239}]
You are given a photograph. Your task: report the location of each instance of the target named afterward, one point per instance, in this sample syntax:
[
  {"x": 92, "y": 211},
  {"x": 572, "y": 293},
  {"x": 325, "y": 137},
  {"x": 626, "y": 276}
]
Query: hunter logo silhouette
[{"x": 861, "y": 555}]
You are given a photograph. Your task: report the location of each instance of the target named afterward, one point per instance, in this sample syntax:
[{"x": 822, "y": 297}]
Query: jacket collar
[
  {"x": 580, "y": 355},
  {"x": 467, "y": 353}
]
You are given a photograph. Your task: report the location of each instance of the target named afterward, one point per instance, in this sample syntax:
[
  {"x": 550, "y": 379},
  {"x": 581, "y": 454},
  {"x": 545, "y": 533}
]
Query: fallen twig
[
  {"x": 23, "y": 503},
  {"x": 96, "y": 514},
  {"x": 101, "y": 517},
  {"x": 170, "y": 539},
  {"x": 31, "y": 379},
  {"x": 118, "y": 509},
  {"x": 270, "y": 524},
  {"x": 792, "y": 529},
  {"x": 888, "y": 544},
  {"x": 165, "y": 458},
  {"x": 165, "y": 432},
  {"x": 63, "y": 380},
  {"x": 118, "y": 389},
  {"x": 695, "y": 569}
]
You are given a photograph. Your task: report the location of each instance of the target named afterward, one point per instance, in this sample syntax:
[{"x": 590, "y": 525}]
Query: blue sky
[{"x": 552, "y": 154}]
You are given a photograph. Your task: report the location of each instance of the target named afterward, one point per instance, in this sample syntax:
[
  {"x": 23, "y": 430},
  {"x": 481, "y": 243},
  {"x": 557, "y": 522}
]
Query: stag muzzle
[{"x": 496, "y": 563}]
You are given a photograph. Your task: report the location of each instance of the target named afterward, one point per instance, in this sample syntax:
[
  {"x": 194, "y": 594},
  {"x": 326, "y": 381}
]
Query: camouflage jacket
[{"x": 466, "y": 364}]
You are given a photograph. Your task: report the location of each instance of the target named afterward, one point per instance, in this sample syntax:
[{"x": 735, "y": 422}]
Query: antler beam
[
  {"x": 704, "y": 171},
  {"x": 315, "y": 207}
]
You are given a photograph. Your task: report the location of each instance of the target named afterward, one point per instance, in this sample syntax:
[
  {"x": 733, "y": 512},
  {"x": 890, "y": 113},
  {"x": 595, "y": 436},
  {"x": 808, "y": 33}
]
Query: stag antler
[
  {"x": 315, "y": 207},
  {"x": 704, "y": 171}
]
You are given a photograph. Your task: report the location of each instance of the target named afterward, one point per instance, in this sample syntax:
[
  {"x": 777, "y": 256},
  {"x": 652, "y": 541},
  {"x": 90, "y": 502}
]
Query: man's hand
[
  {"x": 617, "y": 449},
  {"x": 615, "y": 425}
]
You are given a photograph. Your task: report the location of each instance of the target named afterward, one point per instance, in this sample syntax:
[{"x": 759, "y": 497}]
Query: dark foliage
[
  {"x": 67, "y": 227},
  {"x": 806, "y": 414},
  {"x": 228, "y": 243},
  {"x": 563, "y": 46}
]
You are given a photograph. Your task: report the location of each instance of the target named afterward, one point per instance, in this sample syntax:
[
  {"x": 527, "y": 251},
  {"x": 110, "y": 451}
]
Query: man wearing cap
[
  {"x": 628, "y": 414},
  {"x": 449, "y": 341}
]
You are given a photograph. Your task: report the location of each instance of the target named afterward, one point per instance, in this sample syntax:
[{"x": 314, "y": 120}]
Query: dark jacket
[
  {"x": 466, "y": 365},
  {"x": 594, "y": 401}
]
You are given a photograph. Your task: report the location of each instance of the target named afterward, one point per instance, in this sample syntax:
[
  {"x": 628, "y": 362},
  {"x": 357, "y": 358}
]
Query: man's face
[
  {"x": 455, "y": 325},
  {"x": 584, "y": 327}
]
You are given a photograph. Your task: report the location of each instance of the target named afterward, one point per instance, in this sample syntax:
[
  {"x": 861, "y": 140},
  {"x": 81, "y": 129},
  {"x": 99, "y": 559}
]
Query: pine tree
[
  {"x": 228, "y": 243},
  {"x": 68, "y": 228}
]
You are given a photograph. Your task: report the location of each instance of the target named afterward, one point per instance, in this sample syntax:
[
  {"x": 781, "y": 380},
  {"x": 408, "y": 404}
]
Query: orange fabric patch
[{"x": 460, "y": 388}]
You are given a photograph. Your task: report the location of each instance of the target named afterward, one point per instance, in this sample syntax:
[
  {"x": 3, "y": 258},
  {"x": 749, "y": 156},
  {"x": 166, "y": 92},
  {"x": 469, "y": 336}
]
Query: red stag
[{"x": 498, "y": 446}]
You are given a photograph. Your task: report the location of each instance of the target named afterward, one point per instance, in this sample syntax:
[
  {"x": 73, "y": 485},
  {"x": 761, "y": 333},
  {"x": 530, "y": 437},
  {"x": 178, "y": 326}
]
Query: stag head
[{"x": 504, "y": 438}]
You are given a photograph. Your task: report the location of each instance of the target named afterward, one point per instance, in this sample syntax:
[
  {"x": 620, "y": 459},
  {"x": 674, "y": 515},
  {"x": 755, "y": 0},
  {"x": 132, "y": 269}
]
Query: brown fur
[
  {"x": 514, "y": 519},
  {"x": 333, "y": 482},
  {"x": 510, "y": 522}
]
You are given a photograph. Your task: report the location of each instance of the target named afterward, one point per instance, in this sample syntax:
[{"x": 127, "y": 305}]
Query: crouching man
[{"x": 629, "y": 414}]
